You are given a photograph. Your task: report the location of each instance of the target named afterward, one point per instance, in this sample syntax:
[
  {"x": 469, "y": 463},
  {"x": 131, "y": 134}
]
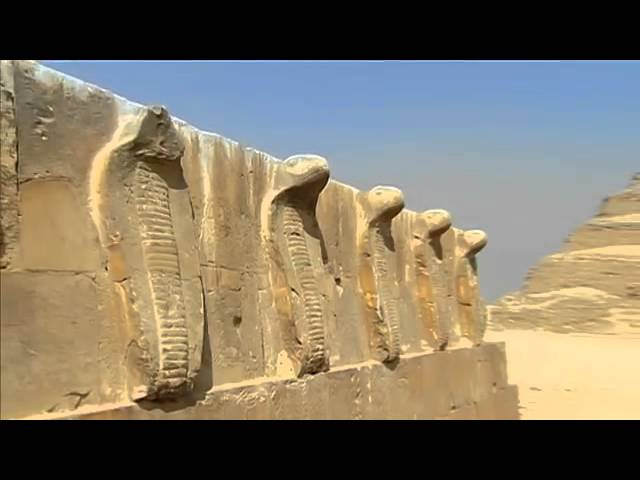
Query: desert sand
[
  {"x": 572, "y": 331},
  {"x": 573, "y": 376}
]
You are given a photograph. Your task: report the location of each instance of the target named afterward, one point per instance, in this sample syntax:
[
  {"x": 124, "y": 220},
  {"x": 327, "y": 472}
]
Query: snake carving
[
  {"x": 377, "y": 274},
  {"x": 471, "y": 315},
  {"x": 132, "y": 187},
  {"x": 299, "y": 180},
  {"x": 431, "y": 275}
]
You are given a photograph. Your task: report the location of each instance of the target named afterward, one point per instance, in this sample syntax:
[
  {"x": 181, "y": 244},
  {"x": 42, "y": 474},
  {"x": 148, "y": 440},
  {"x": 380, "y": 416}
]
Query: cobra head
[
  {"x": 438, "y": 222},
  {"x": 384, "y": 203},
  {"x": 474, "y": 240}
]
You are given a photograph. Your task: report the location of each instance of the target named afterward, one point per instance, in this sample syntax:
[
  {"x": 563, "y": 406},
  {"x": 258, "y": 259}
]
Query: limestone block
[
  {"x": 394, "y": 382},
  {"x": 503, "y": 405},
  {"x": 62, "y": 123},
  {"x": 461, "y": 376},
  {"x": 316, "y": 397},
  {"x": 52, "y": 209},
  {"x": 288, "y": 400},
  {"x": 506, "y": 405},
  {"x": 485, "y": 380},
  {"x": 419, "y": 395},
  {"x": 50, "y": 329},
  {"x": 339, "y": 217},
  {"x": 437, "y": 397},
  {"x": 235, "y": 183},
  {"x": 497, "y": 360},
  {"x": 379, "y": 393},
  {"x": 348, "y": 395}
]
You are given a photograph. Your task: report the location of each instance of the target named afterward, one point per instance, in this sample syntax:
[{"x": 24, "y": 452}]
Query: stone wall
[{"x": 151, "y": 270}]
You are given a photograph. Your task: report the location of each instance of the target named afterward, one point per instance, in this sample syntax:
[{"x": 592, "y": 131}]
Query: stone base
[{"x": 460, "y": 384}]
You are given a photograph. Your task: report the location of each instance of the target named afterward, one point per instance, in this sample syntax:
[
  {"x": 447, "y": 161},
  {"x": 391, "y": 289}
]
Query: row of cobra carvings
[{"x": 135, "y": 214}]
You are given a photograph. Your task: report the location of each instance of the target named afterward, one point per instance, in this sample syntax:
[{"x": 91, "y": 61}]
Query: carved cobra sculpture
[
  {"x": 471, "y": 309},
  {"x": 431, "y": 276},
  {"x": 131, "y": 196},
  {"x": 381, "y": 205},
  {"x": 300, "y": 179}
]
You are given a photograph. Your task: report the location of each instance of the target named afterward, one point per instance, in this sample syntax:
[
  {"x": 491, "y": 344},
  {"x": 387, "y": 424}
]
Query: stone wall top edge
[
  {"x": 125, "y": 106},
  {"x": 81, "y": 88}
]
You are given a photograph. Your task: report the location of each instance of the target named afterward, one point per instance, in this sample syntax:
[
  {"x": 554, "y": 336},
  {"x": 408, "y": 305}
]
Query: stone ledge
[{"x": 442, "y": 385}]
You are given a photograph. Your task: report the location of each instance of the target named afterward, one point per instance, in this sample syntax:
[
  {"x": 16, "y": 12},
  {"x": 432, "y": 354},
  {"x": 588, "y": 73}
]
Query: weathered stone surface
[
  {"x": 340, "y": 217},
  {"x": 606, "y": 231},
  {"x": 61, "y": 123},
  {"x": 348, "y": 393},
  {"x": 501, "y": 406},
  {"x": 151, "y": 270},
  {"x": 51, "y": 209},
  {"x": 239, "y": 306},
  {"x": 592, "y": 285},
  {"x": 8, "y": 166},
  {"x": 50, "y": 329},
  {"x": 367, "y": 391}
]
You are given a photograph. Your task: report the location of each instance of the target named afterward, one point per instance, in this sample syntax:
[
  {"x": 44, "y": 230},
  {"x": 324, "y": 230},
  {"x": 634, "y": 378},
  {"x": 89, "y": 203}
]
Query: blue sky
[{"x": 522, "y": 150}]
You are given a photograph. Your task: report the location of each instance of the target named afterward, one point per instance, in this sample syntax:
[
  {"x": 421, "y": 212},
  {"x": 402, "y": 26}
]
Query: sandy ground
[{"x": 571, "y": 376}]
